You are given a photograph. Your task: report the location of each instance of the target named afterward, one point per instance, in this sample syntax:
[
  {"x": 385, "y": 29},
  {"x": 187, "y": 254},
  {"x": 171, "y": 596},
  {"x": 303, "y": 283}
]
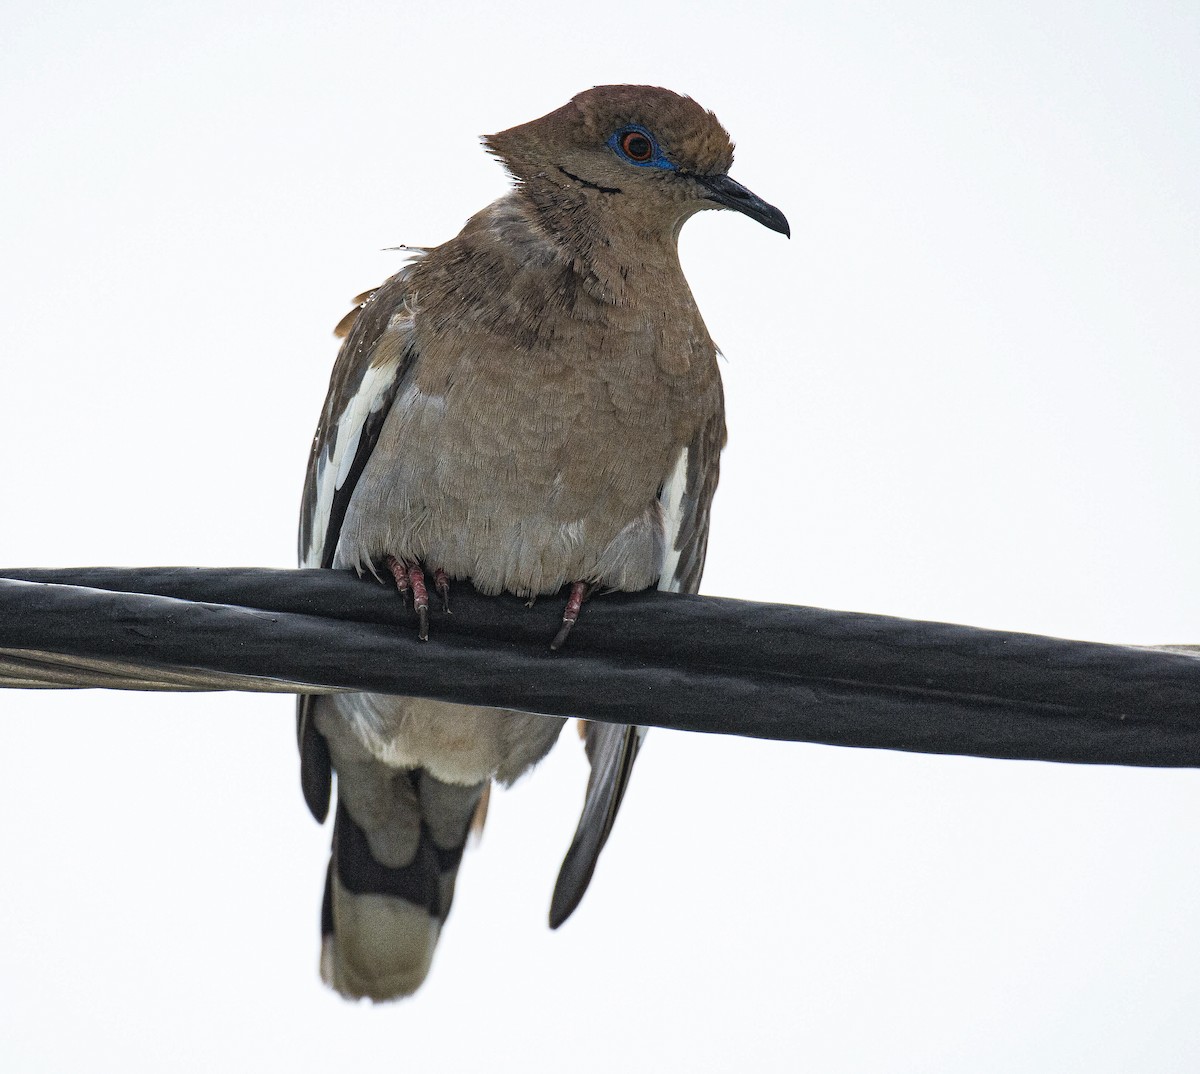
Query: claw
[{"x": 579, "y": 591}]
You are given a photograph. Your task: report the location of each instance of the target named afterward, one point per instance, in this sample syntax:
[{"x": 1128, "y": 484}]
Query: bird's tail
[{"x": 398, "y": 838}]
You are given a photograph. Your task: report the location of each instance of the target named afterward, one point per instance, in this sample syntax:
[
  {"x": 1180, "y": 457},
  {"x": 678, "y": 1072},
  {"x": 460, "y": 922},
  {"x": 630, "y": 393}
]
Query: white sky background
[{"x": 966, "y": 390}]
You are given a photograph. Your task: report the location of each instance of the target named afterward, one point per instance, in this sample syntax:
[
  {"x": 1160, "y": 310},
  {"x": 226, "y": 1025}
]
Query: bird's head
[{"x": 647, "y": 151}]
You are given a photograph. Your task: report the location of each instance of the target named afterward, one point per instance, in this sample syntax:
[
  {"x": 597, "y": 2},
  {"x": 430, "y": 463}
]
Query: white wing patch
[
  {"x": 671, "y": 501},
  {"x": 333, "y": 467}
]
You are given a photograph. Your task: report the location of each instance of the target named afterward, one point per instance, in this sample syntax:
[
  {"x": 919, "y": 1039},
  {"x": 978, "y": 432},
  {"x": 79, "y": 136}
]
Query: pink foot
[{"x": 411, "y": 577}]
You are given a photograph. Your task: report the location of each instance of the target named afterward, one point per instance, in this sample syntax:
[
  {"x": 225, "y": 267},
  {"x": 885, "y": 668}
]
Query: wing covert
[{"x": 370, "y": 368}]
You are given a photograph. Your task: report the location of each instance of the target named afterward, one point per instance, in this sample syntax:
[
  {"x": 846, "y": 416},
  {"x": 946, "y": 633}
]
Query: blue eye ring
[{"x": 637, "y": 146}]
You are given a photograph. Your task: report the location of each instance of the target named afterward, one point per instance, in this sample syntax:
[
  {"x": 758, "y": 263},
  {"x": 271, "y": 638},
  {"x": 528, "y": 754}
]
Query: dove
[{"x": 533, "y": 407}]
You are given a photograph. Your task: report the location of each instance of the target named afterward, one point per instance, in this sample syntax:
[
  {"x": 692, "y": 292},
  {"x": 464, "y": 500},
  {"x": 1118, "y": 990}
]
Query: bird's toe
[{"x": 579, "y": 593}]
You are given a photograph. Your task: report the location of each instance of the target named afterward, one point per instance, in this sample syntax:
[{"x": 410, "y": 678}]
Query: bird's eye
[{"x": 636, "y": 146}]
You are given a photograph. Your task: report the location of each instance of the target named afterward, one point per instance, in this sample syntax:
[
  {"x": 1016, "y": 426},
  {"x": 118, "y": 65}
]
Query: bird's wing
[
  {"x": 371, "y": 365},
  {"x": 685, "y": 497}
]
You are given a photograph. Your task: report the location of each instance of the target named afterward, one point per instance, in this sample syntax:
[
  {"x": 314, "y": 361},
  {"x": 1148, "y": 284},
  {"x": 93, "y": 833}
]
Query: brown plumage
[{"x": 534, "y": 403}]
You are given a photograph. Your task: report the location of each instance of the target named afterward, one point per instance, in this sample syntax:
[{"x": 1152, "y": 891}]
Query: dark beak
[{"x": 732, "y": 195}]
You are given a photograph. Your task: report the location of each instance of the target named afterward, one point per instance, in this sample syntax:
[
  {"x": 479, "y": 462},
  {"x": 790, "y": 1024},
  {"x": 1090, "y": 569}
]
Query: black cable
[{"x": 685, "y": 662}]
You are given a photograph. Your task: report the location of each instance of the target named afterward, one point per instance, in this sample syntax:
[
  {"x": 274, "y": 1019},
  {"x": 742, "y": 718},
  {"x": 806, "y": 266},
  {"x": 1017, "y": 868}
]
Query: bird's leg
[
  {"x": 441, "y": 582},
  {"x": 412, "y": 577},
  {"x": 579, "y": 592}
]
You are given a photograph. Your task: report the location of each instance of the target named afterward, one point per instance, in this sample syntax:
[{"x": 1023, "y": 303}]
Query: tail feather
[
  {"x": 380, "y": 921},
  {"x": 611, "y": 749}
]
